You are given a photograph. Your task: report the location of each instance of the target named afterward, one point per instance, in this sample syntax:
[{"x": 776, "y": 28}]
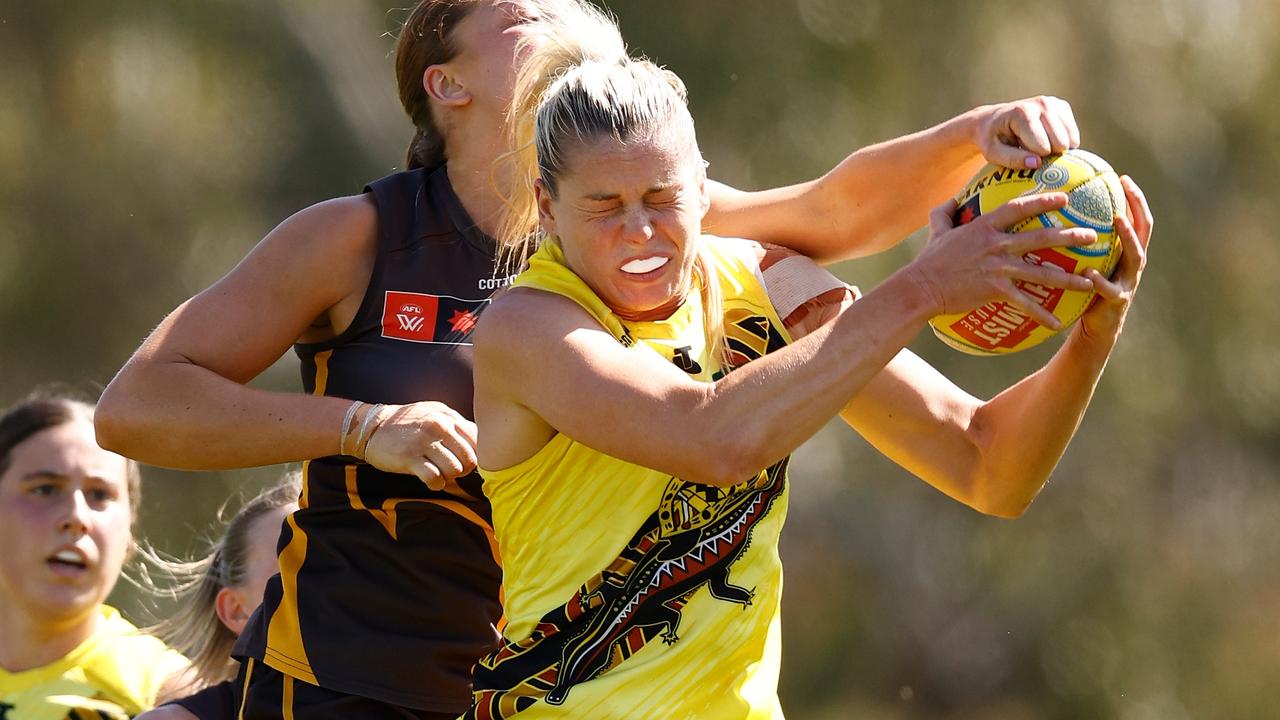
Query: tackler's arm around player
[
  {"x": 188, "y": 382},
  {"x": 995, "y": 456},
  {"x": 881, "y": 193},
  {"x": 649, "y": 412}
]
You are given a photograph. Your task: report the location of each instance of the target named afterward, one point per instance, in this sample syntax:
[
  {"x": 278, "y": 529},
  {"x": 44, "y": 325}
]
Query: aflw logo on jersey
[{"x": 423, "y": 318}]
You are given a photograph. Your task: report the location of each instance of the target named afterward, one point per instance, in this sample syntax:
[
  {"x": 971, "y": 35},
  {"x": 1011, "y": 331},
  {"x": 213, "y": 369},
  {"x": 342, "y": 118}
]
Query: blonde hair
[
  {"x": 569, "y": 34},
  {"x": 576, "y": 89},
  {"x": 194, "y": 629}
]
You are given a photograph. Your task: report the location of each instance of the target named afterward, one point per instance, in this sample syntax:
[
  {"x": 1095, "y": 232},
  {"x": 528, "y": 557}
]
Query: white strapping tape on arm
[{"x": 792, "y": 282}]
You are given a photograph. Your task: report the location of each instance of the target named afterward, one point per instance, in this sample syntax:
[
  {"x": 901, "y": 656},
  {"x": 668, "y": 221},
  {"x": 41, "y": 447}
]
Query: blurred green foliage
[{"x": 146, "y": 146}]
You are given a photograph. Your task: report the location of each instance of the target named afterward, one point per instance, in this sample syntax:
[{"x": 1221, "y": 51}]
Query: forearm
[
  {"x": 180, "y": 415},
  {"x": 1024, "y": 430},
  {"x": 772, "y": 405},
  {"x": 866, "y": 204}
]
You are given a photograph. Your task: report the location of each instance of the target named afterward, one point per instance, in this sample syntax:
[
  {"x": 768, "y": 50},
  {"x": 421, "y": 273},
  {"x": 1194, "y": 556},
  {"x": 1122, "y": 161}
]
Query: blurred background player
[
  {"x": 67, "y": 509},
  {"x": 216, "y": 596}
]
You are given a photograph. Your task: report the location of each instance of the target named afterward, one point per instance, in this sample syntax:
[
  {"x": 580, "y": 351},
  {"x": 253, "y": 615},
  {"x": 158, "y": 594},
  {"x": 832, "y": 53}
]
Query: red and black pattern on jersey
[
  {"x": 692, "y": 540},
  {"x": 388, "y": 590}
]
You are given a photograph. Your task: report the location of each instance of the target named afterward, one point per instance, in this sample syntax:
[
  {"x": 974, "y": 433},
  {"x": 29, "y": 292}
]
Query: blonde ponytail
[
  {"x": 704, "y": 273},
  {"x": 578, "y": 85},
  {"x": 570, "y": 34}
]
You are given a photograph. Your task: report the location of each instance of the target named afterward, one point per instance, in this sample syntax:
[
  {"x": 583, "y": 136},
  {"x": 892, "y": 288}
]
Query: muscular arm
[
  {"x": 866, "y": 204},
  {"x": 181, "y": 400},
  {"x": 992, "y": 456},
  {"x": 538, "y": 356},
  {"x": 880, "y": 194},
  {"x": 995, "y": 456},
  {"x": 643, "y": 409}
]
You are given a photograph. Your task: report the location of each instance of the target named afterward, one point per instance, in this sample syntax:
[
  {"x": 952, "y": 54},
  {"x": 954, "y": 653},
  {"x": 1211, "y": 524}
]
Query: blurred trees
[{"x": 145, "y": 146}]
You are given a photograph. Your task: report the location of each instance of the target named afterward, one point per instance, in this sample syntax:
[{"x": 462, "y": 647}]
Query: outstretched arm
[
  {"x": 882, "y": 193},
  {"x": 995, "y": 456},
  {"x": 539, "y": 355}
]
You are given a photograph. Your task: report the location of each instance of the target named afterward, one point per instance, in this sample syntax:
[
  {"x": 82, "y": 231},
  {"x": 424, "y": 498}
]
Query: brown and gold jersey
[{"x": 388, "y": 590}]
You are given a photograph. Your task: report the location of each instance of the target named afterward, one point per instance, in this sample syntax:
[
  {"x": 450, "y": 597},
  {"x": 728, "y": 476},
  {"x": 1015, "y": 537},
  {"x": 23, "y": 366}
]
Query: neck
[
  {"x": 28, "y": 642},
  {"x": 661, "y": 312},
  {"x": 473, "y": 183}
]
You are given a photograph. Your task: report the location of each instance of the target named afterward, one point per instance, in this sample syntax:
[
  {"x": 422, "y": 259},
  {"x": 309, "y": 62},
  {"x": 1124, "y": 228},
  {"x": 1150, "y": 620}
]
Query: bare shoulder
[
  {"x": 771, "y": 255},
  {"x": 314, "y": 264},
  {"x": 519, "y": 317},
  {"x": 333, "y": 229},
  {"x": 763, "y": 255},
  {"x": 320, "y": 258},
  {"x": 523, "y": 334}
]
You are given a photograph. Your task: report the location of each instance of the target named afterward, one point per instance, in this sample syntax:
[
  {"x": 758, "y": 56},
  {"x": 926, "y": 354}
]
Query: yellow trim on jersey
[
  {"x": 285, "y": 651},
  {"x": 386, "y": 516},
  {"x": 322, "y": 371},
  {"x": 244, "y": 688},
  {"x": 286, "y": 698}
]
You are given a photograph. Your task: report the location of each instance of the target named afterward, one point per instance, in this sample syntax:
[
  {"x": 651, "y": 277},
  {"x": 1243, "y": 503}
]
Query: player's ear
[
  {"x": 232, "y": 609},
  {"x": 546, "y": 214},
  {"x": 444, "y": 86}
]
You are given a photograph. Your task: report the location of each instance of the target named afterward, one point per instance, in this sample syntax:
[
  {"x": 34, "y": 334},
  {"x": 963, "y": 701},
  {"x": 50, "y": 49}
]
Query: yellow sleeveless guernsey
[
  {"x": 115, "y": 674},
  {"x": 631, "y": 593}
]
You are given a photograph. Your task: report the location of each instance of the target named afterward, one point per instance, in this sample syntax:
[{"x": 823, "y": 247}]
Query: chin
[{"x": 71, "y": 602}]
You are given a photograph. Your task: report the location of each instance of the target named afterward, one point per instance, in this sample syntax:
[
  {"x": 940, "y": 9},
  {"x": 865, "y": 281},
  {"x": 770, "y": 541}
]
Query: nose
[
  {"x": 637, "y": 229},
  {"x": 76, "y": 515}
]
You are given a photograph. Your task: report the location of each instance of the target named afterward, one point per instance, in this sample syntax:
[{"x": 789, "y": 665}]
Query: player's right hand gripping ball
[{"x": 1095, "y": 198}]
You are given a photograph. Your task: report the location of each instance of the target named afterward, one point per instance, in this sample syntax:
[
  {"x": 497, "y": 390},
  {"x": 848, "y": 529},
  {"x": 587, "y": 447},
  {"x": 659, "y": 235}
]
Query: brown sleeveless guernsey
[{"x": 388, "y": 590}]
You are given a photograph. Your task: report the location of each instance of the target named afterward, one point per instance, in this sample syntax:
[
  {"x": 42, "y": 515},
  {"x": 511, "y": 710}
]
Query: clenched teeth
[{"x": 641, "y": 266}]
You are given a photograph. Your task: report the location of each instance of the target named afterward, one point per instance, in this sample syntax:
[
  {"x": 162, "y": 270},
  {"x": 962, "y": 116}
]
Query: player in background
[
  {"x": 67, "y": 509},
  {"x": 216, "y": 596}
]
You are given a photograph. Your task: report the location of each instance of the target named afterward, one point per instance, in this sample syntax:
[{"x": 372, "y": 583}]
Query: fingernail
[{"x": 1033, "y": 161}]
